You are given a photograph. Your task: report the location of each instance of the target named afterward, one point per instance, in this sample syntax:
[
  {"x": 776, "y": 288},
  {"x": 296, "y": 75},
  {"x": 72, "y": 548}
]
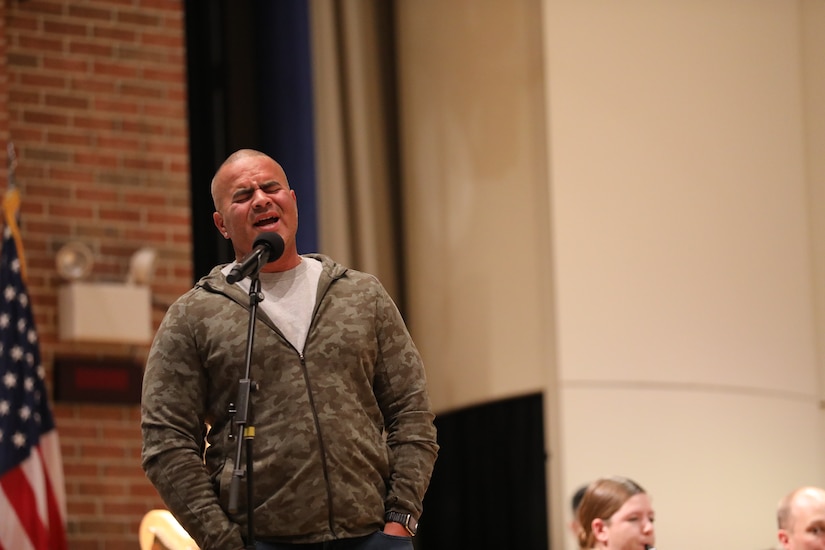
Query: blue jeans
[{"x": 376, "y": 541}]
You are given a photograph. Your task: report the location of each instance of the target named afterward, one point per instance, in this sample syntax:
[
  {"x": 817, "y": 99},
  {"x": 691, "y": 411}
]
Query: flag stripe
[
  {"x": 24, "y": 504},
  {"x": 12, "y": 534},
  {"x": 38, "y": 511},
  {"x": 56, "y": 512},
  {"x": 33, "y": 473},
  {"x": 50, "y": 447},
  {"x": 33, "y": 502}
]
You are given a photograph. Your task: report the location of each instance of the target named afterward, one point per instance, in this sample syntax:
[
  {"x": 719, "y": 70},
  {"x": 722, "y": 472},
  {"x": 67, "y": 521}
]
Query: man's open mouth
[{"x": 267, "y": 221}]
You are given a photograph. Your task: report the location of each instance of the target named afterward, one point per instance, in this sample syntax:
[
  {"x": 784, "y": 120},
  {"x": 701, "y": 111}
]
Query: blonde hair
[{"x": 601, "y": 500}]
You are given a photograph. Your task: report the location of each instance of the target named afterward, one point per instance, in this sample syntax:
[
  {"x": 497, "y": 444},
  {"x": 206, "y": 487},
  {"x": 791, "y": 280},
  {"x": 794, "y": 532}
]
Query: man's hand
[{"x": 396, "y": 529}]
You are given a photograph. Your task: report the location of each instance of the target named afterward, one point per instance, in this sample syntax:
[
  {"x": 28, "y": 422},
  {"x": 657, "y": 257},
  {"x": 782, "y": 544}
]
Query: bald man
[{"x": 801, "y": 519}]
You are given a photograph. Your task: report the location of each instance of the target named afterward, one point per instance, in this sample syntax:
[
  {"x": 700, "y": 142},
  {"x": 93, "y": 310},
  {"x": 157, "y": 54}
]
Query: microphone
[{"x": 268, "y": 247}]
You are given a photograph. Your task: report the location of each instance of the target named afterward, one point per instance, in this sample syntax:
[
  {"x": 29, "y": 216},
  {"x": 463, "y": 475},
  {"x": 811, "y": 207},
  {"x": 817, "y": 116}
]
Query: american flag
[{"x": 32, "y": 494}]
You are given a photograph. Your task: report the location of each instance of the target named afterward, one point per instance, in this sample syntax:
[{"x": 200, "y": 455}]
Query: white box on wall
[{"x": 105, "y": 312}]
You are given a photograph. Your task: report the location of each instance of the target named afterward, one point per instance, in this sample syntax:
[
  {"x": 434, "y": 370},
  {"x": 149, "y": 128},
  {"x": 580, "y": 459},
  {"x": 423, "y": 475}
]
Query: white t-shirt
[{"x": 289, "y": 298}]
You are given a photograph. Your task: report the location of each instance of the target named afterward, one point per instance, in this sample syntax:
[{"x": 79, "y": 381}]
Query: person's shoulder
[
  {"x": 329, "y": 266},
  {"x": 337, "y": 270},
  {"x": 214, "y": 279},
  {"x": 208, "y": 284}
]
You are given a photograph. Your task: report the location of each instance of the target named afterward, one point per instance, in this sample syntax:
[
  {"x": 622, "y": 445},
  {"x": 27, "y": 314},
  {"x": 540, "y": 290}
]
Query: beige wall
[
  {"x": 668, "y": 295},
  {"x": 473, "y": 139},
  {"x": 685, "y": 282},
  {"x": 813, "y": 71}
]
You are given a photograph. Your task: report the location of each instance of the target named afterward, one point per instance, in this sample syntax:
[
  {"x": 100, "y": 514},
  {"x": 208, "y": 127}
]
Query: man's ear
[
  {"x": 783, "y": 537},
  {"x": 599, "y": 528},
  {"x": 218, "y": 219}
]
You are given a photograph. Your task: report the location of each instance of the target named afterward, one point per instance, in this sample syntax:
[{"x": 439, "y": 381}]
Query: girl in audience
[{"x": 615, "y": 514}]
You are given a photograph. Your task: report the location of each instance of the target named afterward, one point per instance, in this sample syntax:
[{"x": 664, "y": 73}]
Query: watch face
[{"x": 406, "y": 520}]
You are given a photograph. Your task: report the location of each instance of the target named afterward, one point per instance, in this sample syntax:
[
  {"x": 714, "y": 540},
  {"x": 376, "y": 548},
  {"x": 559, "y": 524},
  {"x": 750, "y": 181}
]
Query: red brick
[
  {"x": 164, "y": 74},
  {"x": 78, "y": 430},
  {"x": 50, "y": 119},
  {"x": 116, "y": 106},
  {"x": 118, "y": 142},
  {"x": 69, "y": 175},
  {"x": 166, "y": 40},
  {"x": 77, "y": 470},
  {"x": 73, "y": 139},
  {"x": 66, "y": 65},
  {"x": 107, "y": 68},
  {"x": 39, "y": 80},
  {"x": 38, "y": 43},
  {"x": 133, "y": 509},
  {"x": 93, "y": 85},
  {"x": 22, "y": 22},
  {"x": 71, "y": 211},
  {"x": 87, "y": 13},
  {"x": 70, "y": 102},
  {"x": 83, "y": 47},
  {"x": 92, "y": 123},
  {"x": 136, "y": 18},
  {"x": 96, "y": 195},
  {"x": 76, "y": 508},
  {"x": 114, "y": 33},
  {"x": 45, "y": 6},
  {"x": 48, "y": 190},
  {"x": 95, "y": 95},
  {"x": 95, "y": 159},
  {"x": 109, "y": 525},
  {"x": 24, "y": 96},
  {"x": 63, "y": 28},
  {"x": 143, "y": 91}
]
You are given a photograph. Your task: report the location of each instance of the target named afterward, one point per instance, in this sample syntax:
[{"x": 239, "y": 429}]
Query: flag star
[
  {"x": 10, "y": 380},
  {"x": 24, "y": 410}
]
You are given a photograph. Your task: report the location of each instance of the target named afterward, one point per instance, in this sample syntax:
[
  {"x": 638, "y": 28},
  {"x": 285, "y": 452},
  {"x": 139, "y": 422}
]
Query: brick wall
[{"x": 93, "y": 96}]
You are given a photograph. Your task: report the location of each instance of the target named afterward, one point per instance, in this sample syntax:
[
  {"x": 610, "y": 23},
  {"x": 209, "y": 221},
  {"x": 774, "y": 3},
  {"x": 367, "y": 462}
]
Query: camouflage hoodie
[{"x": 343, "y": 431}]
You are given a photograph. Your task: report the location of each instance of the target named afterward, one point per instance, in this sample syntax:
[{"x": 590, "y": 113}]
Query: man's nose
[{"x": 260, "y": 197}]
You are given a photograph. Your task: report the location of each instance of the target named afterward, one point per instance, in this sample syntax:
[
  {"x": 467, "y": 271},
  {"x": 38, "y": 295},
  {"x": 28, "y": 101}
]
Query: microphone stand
[{"x": 240, "y": 417}]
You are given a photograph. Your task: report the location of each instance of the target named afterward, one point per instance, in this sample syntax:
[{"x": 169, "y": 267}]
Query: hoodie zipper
[{"x": 321, "y": 446}]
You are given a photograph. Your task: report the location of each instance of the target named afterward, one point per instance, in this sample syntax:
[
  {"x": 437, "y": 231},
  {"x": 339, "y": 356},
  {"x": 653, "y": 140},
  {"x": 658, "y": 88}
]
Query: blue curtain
[
  {"x": 286, "y": 108},
  {"x": 250, "y": 86}
]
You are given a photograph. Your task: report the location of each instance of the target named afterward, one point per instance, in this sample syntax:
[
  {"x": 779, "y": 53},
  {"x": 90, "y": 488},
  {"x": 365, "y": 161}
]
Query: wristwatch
[{"x": 409, "y": 522}]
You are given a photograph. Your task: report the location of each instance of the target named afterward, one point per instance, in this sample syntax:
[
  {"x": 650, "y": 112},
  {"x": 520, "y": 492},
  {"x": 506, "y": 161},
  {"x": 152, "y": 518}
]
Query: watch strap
[{"x": 407, "y": 520}]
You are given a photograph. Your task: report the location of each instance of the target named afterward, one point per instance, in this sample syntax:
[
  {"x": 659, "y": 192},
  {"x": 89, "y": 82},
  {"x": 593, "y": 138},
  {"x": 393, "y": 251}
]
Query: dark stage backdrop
[
  {"x": 249, "y": 83},
  {"x": 488, "y": 486}
]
